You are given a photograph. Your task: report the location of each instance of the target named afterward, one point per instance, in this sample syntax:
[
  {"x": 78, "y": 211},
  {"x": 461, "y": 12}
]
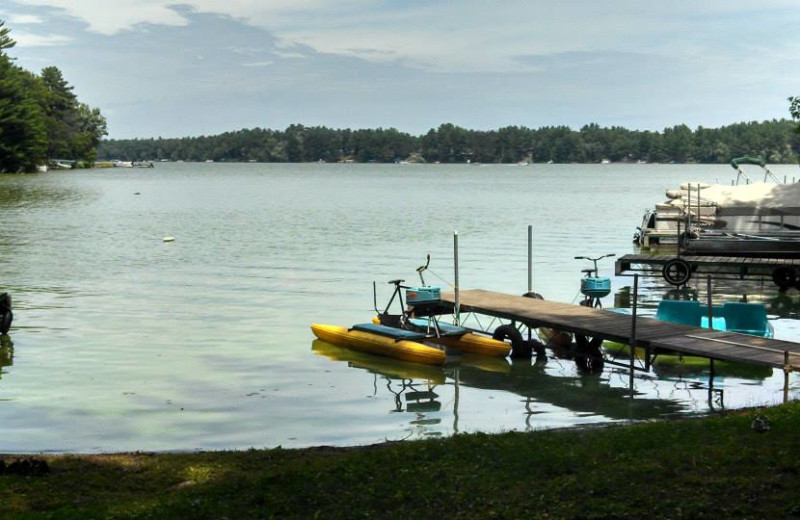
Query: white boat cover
[{"x": 750, "y": 199}]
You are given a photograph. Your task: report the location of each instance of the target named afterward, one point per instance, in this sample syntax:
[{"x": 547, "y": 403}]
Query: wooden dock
[
  {"x": 650, "y": 333},
  {"x": 718, "y": 266}
]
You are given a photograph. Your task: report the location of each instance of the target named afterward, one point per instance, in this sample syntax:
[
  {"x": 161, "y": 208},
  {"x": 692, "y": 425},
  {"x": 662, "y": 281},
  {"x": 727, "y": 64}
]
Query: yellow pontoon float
[{"x": 382, "y": 341}]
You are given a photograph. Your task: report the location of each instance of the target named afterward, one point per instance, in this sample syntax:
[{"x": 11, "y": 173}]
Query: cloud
[
  {"x": 112, "y": 16},
  {"x": 40, "y": 40},
  {"x": 24, "y": 19},
  {"x": 206, "y": 66}
]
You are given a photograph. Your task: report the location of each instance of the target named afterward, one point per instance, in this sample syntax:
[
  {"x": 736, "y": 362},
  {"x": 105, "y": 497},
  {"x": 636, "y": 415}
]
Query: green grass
[{"x": 714, "y": 467}]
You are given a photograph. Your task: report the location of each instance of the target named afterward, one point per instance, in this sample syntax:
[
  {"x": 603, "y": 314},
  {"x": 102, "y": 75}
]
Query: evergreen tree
[{"x": 23, "y": 138}]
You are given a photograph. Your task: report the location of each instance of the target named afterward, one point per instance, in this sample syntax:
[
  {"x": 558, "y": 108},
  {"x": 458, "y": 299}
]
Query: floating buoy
[{"x": 169, "y": 239}]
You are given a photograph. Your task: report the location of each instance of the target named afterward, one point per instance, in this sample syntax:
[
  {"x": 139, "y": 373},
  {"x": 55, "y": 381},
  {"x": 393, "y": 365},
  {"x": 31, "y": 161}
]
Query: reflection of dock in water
[{"x": 582, "y": 394}]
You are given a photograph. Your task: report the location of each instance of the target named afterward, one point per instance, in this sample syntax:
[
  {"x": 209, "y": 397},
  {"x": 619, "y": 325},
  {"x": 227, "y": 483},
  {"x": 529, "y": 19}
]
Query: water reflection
[
  {"x": 22, "y": 191},
  {"x": 386, "y": 367},
  {"x": 6, "y": 352},
  {"x": 565, "y": 388}
]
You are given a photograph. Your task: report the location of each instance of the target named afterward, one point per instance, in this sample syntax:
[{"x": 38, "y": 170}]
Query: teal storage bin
[{"x": 423, "y": 295}]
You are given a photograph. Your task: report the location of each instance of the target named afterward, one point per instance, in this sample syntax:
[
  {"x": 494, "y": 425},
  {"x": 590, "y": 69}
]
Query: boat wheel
[
  {"x": 784, "y": 277},
  {"x": 677, "y": 271},
  {"x": 519, "y": 347}
]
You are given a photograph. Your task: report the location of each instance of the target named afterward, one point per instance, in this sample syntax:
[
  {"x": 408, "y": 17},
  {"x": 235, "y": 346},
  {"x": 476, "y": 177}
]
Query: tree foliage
[
  {"x": 41, "y": 118},
  {"x": 772, "y": 140}
]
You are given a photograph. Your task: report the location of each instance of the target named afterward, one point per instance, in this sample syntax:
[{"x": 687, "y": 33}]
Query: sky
[{"x": 202, "y": 67}]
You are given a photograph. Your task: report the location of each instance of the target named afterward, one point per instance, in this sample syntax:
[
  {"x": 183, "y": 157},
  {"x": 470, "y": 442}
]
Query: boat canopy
[
  {"x": 758, "y": 161},
  {"x": 747, "y": 199}
]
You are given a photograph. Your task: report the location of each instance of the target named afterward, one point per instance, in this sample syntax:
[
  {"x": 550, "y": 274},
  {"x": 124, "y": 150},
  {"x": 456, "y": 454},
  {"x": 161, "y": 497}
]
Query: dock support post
[
  {"x": 633, "y": 328},
  {"x": 530, "y": 258},
  {"x": 709, "y": 302},
  {"x": 786, "y": 370},
  {"x": 530, "y": 272},
  {"x": 689, "y": 207},
  {"x": 456, "y": 287}
]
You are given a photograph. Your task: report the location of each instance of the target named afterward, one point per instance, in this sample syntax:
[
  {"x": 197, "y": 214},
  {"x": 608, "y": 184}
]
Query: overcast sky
[{"x": 199, "y": 67}]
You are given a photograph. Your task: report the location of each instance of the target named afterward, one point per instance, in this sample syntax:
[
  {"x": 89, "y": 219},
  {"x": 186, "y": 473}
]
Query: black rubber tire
[
  {"x": 519, "y": 347},
  {"x": 677, "y": 271},
  {"x": 784, "y": 277},
  {"x": 534, "y": 295},
  {"x": 5, "y": 321}
]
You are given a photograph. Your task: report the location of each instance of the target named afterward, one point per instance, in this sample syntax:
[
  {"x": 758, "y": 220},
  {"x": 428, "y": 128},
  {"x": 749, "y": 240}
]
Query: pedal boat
[{"x": 382, "y": 341}]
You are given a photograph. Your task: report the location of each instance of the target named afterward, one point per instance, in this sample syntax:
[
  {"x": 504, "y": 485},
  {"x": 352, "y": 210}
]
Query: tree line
[
  {"x": 41, "y": 119},
  {"x": 774, "y": 140}
]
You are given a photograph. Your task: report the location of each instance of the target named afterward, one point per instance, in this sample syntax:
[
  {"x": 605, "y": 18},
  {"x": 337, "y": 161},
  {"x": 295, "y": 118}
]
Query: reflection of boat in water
[
  {"x": 751, "y": 219},
  {"x": 581, "y": 394},
  {"x": 671, "y": 364},
  {"x": 412, "y": 385},
  {"x": 390, "y": 368}
]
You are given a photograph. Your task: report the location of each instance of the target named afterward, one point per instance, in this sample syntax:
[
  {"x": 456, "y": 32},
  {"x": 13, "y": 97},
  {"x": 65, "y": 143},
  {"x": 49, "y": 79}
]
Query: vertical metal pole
[
  {"x": 698, "y": 204},
  {"x": 786, "y": 370},
  {"x": 699, "y": 221},
  {"x": 709, "y": 301},
  {"x": 633, "y": 327},
  {"x": 530, "y": 271},
  {"x": 689, "y": 206},
  {"x": 530, "y": 258},
  {"x": 455, "y": 403},
  {"x": 679, "y": 238},
  {"x": 456, "y": 287}
]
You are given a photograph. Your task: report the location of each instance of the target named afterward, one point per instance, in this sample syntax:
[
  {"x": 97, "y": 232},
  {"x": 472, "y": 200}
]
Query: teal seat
[
  {"x": 717, "y": 319},
  {"x": 746, "y": 318},
  {"x": 685, "y": 312},
  {"x": 444, "y": 328}
]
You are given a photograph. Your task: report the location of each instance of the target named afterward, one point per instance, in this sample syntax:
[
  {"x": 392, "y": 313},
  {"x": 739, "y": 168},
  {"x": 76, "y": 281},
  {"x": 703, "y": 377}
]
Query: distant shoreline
[{"x": 774, "y": 141}]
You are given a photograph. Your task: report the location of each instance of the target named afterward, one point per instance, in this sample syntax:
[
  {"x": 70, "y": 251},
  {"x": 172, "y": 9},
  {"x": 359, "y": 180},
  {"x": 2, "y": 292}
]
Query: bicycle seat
[
  {"x": 396, "y": 282},
  {"x": 587, "y": 271}
]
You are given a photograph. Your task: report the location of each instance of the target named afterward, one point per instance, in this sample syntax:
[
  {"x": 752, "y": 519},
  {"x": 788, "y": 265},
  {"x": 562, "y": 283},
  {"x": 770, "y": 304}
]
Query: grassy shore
[{"x": 718, "y": 467}]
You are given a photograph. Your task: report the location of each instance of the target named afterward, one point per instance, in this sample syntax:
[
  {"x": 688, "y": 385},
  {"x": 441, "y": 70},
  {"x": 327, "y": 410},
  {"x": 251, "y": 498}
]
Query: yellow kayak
[{"x": 378, "y": 344}]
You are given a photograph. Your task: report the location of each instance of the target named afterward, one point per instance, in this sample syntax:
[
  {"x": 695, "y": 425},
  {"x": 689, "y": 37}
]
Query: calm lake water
[{"x": 124, "y": 342}]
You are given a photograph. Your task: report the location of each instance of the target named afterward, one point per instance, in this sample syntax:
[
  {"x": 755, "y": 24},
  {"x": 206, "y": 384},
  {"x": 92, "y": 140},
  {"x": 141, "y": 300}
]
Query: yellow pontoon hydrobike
[{"x": 401, "y": 336}]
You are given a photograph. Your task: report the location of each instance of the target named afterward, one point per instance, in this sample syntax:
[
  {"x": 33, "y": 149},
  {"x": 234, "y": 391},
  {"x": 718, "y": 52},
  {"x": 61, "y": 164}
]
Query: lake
[{"x": 124, "y": 342}]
